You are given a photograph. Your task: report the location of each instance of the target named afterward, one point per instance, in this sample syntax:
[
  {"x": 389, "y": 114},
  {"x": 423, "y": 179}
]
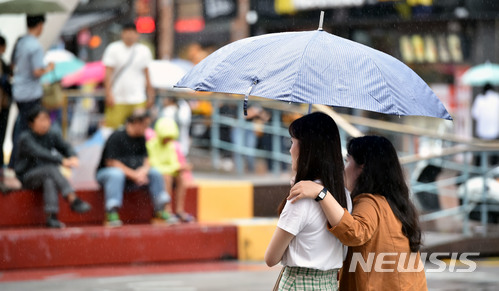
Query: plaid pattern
[{"x": 298, "y": 279}]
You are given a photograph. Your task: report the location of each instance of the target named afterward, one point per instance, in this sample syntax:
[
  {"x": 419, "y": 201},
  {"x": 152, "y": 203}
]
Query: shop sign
[
  {"x": 439, "y": 48},
  {"x": 219, "y": 9},
  {"x": 290, "y": 6}
]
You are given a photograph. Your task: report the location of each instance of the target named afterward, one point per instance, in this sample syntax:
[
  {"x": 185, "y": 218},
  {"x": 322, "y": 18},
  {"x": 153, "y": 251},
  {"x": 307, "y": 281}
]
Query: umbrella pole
[{"x": 321, "y": 20}]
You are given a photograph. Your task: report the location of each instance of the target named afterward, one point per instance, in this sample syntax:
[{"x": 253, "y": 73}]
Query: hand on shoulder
[{"x": 304, "y": 189}]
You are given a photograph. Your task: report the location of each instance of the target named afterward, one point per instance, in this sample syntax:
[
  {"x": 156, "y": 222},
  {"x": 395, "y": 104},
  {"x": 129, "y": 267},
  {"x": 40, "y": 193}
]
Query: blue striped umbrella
[{"x": 315, "y": 67}]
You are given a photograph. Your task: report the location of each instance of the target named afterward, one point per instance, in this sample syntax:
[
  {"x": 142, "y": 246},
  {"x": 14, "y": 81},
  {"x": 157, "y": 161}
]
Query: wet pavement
[{"x": 220, "y": 276}]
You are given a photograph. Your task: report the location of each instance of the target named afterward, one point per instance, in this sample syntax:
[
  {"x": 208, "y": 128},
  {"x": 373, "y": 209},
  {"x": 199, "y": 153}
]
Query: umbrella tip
[{"x": 321, "y": 20}]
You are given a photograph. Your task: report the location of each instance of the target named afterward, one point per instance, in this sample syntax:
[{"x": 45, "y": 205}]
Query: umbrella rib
[
  {"x": 386, "y": 83},
  {"x": 301, "y": 60}
]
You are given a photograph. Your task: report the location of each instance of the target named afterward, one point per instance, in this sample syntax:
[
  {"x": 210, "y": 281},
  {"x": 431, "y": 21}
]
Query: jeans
[
  {"x": 51, "y": 180},
  {"x": 114, "y": 182}
]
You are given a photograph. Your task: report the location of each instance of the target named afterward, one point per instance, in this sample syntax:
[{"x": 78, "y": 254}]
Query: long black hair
[
  {"x": 382, "y": 175},
  {"x": 319, "y": 153}
]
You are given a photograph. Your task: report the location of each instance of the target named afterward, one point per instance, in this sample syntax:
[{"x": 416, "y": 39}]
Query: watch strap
[{"x": 321, "y": 194}]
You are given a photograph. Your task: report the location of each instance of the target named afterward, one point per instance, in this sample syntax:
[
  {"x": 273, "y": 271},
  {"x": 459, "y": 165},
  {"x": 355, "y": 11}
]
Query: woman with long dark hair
[
  {"x": 310, "y": 254},
  {"x": 383, "y": 232}
]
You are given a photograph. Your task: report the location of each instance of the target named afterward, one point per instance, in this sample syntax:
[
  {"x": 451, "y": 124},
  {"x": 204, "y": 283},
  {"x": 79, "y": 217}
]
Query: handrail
[
  {"x": 460, "y": 145},
  {"x": 413, "y": 130}
]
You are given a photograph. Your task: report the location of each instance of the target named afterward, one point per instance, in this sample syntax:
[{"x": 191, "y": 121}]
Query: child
[
  {"x": 166, "y": 156},
  {"x": 41, "y": 152}
]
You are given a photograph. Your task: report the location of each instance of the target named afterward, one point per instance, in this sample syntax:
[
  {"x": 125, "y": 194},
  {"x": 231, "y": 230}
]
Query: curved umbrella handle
[{"x": 246, "y": 97}]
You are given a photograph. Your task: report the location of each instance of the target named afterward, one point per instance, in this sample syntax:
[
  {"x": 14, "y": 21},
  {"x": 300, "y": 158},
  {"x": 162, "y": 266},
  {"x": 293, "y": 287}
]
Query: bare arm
[
  {"x": 355, "y": 229},
  {"x": 41, "y": 71},
  {"x": 308, "y": 189},
  {"x": 149, "y": 89},
  {"x": 277, "y": 246},
  {"x": 129, "y": 172},
  {"x": 144, "y": 169},
  {"x": 108, "y": 86}
]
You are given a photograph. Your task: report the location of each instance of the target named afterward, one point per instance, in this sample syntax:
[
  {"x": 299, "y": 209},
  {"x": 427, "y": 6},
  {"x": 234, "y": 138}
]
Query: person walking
[
  {"x": 383, "y": 224},
  {"x": 27, "y": 91},
  {"x": 5, "y": 97},
  {"x": 301, "y": 242},
  {"x": 8, "y": 181},
  {"x": 127, "y": 83},
  {"x": 485, "y": 111}
]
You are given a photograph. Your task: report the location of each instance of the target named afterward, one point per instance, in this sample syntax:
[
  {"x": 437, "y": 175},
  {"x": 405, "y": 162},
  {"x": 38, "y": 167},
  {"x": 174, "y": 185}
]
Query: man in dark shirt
[
  {"x": 125, "y": 166},
  {"x": 41, "y": 153}
]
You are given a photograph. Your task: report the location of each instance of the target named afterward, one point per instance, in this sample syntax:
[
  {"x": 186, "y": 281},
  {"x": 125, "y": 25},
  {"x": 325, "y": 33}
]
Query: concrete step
[
  {"x": 129, "y": 244},
  {"x": 24, "y": 208}
]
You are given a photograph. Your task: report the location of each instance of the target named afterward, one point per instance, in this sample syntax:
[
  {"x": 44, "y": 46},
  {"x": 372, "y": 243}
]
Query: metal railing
[{"x": 454, "y": 154}]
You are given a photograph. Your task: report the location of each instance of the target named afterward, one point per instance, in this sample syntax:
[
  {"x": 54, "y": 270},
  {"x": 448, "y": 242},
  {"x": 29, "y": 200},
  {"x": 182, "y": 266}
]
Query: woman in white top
[{"x": 311, "y": 255}]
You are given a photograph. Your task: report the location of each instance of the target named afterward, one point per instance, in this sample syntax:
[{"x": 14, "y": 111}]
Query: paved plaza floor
[{"x": 209, "y": 276}]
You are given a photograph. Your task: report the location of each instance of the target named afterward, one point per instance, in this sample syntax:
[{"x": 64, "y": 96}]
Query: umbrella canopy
[
  {"x": 482, "y": 74},
  {"x": 65, "y": 63},
  {"x": 58, "y": 55},
  {"x": 32, "y": 7},
  {"x": 62, "y": 69},
  {"x": 315, "y": 67},
  {"x": 91, "y": 72}
]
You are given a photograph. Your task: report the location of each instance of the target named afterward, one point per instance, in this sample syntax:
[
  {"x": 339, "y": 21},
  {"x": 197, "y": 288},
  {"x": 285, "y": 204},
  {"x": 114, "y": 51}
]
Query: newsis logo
[{"x": 411, "y": 262}]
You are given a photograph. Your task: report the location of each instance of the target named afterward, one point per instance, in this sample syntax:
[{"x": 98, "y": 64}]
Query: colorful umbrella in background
[
  {"x": 58, "y": 55},
  {"x": 65, "y": 63},
  {"x": 93, "y": 72},
  {"x": 487, "y": 73},
  {"x": 33, "y": 7},
  {"x": 164, "y": 74}
]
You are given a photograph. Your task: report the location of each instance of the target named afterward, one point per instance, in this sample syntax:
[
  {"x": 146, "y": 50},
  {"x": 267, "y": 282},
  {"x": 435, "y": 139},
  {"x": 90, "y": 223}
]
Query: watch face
[{"x": 321, "y": 195}]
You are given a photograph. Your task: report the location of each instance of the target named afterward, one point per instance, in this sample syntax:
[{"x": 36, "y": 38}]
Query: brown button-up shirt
[{"x": 379, "y": 257}]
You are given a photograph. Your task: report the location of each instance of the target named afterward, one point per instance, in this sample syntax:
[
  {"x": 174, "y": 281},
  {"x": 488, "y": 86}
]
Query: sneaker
[
  {"x": 113, "y": 219},
  {"x": 80, "y": 206},
  {"x": 185, "y": 217},
  {"x": 164, "y": 216},
  {"x": 54, "y": 223}
]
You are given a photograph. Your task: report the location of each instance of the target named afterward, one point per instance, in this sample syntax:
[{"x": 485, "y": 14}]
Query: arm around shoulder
[{"x": 358, "y": 228}]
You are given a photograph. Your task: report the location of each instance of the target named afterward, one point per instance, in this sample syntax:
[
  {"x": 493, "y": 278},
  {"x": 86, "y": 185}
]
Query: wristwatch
[{"x": 321, "y": 195}]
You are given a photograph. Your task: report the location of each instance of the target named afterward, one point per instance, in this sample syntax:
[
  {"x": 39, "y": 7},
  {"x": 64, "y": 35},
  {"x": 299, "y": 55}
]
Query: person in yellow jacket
[{"x": 166, "y": 157}]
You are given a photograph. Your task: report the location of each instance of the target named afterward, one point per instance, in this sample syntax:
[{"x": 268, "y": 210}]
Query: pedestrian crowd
[
  {"x": 41, "y": 158},
  {"x": 336, "y": 209}
]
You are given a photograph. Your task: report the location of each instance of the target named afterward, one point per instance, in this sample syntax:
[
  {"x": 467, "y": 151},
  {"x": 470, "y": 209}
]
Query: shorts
[{"x": 116, "y": 116}]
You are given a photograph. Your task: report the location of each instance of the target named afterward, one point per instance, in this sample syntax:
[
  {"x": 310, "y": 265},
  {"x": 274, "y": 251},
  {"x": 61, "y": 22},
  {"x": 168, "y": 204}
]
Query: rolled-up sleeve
[{"x": 357, "y": 228}]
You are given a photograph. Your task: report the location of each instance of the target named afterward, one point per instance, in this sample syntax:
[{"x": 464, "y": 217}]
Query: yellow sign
[
  {"x": 284, "y": 7},
  {"x": 420, "y": 2}
]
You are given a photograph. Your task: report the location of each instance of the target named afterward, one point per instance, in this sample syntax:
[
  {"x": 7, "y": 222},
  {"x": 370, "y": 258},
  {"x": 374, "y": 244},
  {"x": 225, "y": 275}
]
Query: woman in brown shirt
[{"x": 383, "y": 232}]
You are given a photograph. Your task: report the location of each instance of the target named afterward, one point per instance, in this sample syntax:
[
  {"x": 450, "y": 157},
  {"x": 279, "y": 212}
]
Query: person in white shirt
[
  {"x": 127, "y": 83},
  {"x": 485, "y": 111},
  {"x": 310, "y": 254}
]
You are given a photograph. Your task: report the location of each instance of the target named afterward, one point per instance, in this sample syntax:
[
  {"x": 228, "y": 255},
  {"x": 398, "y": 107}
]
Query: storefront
[{"x": 439, "y": 39}]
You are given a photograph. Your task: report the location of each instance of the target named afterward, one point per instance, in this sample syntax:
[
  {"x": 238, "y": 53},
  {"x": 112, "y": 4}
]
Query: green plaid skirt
[{"x": 297, "y": 278}]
